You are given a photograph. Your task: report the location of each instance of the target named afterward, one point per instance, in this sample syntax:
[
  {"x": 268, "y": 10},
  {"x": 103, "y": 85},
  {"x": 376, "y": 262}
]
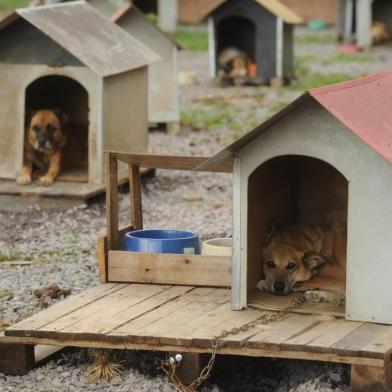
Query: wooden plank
[
  {"x": 45, "y": 353},
  {"x": 361, "y": 337},
  {"x": 195, "y": 270},
  {"x": 103, "y": 307},
  {"x": 16, "y": 359},
  {"x": 102, "y": 253},
  {"x": 135, "y": 191},
  {"x": 380, "y": 344},
  {"x": 370, "y": 378},
  {"x": 123, "y": 312},
  {"x": 172, "y": 162},
  {"x": 60, "y": 309},
  {"x": 134, "y": 326},
  {"x": 111, "y": 176}
]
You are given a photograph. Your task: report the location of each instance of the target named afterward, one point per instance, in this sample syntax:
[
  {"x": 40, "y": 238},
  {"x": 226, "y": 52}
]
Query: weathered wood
[
  {"x": 16, "y": 359},
  {"x": 195, "y": 270},
  {"x": 172, "y": 162},
  {"x": 111, "y": 175},
  {"x": 135, "y": 192},
  {"x": 371, "y": 379},
  {"x": 191, "y": 366}
]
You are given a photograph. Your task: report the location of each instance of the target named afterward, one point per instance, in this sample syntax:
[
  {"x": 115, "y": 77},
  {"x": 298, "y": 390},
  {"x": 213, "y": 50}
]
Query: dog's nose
[{"x": 279, "y": 287}]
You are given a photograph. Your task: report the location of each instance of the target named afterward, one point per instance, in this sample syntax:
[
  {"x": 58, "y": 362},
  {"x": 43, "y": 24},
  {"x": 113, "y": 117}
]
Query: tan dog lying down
[{"x": 297, "y": 253}]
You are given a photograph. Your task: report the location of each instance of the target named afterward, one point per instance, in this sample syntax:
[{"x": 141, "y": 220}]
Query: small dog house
[
  {"x": 365, "y": 21},
  {"x": 260, "y": 29},
  {"x": 56, "y": 57},
  {"x": 324, "y": 159}
]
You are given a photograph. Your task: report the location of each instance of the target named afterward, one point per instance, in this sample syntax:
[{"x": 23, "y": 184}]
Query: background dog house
[
  {"x": 326, "y": 158},
  {"x": 355, "y": 19},
  {"x": 69, "y": 56},
  {"x": 263, "y": 29}
]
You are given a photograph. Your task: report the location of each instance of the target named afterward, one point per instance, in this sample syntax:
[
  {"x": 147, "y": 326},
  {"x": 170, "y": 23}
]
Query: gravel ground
[{"x": 61, "y": 244}]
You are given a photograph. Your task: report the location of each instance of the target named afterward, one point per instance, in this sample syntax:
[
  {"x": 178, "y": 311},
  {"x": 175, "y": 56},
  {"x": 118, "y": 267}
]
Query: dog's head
[
  {"x": 45, "y": 129},
  {"x": 284, "y": 266}
]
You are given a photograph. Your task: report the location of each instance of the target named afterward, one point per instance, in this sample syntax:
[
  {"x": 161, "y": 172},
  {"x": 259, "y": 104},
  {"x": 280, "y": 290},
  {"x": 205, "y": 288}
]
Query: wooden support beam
[
  {"x": 371, "y": 379},
  {"x": 135, "y": 192},
  {"x": 16, "y": 359},
  {"x": 111, "y": 177},
  {"x": 191, "y": 366}
]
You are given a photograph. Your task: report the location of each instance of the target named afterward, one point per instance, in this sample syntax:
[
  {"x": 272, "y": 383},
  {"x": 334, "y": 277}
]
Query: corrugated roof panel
[{"x": 89, "y": 36}]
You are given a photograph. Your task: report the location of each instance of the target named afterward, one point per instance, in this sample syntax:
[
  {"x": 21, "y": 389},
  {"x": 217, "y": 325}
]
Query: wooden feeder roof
[
  {"x": 97, "y": 42},
  {"x": 363, "y": 105},
  {"x": 274, "y": 6}
]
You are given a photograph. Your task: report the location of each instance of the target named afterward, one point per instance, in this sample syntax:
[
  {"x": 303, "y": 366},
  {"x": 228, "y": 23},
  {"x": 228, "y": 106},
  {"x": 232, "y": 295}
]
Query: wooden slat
[
  {"x": 121, "y": 299},
  {"x": 111, "y": 176},
  {"x": 195, "y": 270},
  {"x": 135, "y": 192},
  {"x": 61, "y": 309},
  {"x": 381, "y": 343},
  {"x": 172, "y": 162}
]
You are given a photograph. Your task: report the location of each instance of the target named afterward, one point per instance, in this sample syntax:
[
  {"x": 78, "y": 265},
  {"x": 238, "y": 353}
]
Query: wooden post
[
  {"x": 111, "y": 177},
  {"x": 191, "y": 366},
  {"x": 16, "y": 359},
  {"x": 371, "y": 379},
  {"x": 135, "y": 192}
]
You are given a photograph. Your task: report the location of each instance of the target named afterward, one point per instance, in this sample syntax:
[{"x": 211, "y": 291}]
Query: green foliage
[
  {"x": 313, "y": 80},
  {"x": 316, "y": 38},
  {"x": 9, "y": 4},
  {"x": 352, "y": 58},
  {"x": 194, "y": 41},
  {"x": 6, "y": 294}
]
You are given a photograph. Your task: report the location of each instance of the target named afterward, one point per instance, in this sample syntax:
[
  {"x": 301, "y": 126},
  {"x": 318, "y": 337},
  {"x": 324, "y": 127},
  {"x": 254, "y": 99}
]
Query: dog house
[
  {"x": 56, "y": 57},
  {"x": 359, "y": 21},
  {"x": 325, "y": 160},
  {"x": 260, "y": 29}
]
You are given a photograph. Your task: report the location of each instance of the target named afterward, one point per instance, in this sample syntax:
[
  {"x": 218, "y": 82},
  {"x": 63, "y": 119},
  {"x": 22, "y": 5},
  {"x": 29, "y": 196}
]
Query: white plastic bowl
[{"x": 217, "y": 247}]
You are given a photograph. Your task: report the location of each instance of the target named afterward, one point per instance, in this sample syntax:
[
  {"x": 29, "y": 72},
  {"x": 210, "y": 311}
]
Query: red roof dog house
[
  {"x": 262, "y": 30},
  {"x": 56, "y": 57},
  {"x": 324, "y": 159}
]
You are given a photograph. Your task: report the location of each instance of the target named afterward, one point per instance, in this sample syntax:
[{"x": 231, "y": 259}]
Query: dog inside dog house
[
  {"x": 44, "y": 70},
  {"x": 251, "y": 41}
]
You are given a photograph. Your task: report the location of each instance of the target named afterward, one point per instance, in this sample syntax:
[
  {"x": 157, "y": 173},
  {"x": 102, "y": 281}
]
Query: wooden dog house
[
  {"x": 355, "y": 19},
  {"x": 324, "y": 159},
  {"x": 262, "y": 29},
  {"x": 56, "y": 57}
]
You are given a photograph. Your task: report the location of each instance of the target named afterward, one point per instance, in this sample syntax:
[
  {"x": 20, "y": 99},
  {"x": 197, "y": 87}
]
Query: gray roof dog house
[
  {"x": 356, "y": 18},
  {"x": 262, "y": 29},
  {"x": 69, "y": 56},
  {"x": 325, "y": 159}
]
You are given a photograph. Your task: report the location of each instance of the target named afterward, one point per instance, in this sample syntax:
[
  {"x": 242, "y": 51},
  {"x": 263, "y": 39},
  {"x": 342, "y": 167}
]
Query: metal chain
[{"x": 170, "y": 367}]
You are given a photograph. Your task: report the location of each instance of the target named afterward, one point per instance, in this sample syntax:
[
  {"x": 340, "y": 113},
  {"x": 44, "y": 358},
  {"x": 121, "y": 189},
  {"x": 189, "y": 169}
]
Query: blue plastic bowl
[{"x": 162, "y": 241}]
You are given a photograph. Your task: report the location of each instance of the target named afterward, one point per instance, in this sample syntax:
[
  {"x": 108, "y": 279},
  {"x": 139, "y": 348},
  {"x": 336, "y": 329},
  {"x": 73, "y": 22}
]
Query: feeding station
[
  {"x": 46, "y": 64},
  {"x": 359, "y": 21},
  {"x": 261, "y": 29},
  {"x": 329, "y": 143}
]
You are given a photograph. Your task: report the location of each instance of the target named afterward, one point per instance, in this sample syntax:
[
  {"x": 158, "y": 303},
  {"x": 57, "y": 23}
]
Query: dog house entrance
[
  {"x": 60, "y": 92},
  {"x": 235, "y": 38},
  {"x": 295, "y": 190}
]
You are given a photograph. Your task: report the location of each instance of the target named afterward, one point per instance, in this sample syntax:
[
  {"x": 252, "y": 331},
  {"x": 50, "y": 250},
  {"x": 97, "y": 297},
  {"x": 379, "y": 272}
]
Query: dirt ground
[{"x": 58, "y": 246}]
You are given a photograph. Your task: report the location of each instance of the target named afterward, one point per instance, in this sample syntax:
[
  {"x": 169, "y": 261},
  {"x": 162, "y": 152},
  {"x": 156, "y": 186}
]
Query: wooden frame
[{"x": 120, "y": 266}]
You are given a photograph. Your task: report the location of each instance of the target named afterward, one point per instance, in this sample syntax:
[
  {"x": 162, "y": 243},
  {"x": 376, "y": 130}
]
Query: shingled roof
[
  {"x": 363, "y": 105},
  {"x": 81, "y": 30}
]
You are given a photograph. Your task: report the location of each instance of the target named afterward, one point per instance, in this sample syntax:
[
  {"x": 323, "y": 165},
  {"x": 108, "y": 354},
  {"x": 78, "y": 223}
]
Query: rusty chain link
[{"x": 170, "y": 367}]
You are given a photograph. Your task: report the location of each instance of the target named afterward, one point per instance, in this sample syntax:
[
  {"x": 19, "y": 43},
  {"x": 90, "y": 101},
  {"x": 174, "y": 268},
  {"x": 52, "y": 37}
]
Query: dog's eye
[
  {"x": 270, "y": 264},
  {"x": 50, "y": 128},
  {"x": 36, "y": 128},
  {"x": 290, "y": 265}
]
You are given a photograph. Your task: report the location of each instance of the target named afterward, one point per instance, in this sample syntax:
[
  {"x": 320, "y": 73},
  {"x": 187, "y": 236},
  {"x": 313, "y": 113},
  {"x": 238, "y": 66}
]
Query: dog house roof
[
  {"x": 93, "y": 39},
  {"x": 274, "y": 6},
  {"x": 363, "y": 105}
]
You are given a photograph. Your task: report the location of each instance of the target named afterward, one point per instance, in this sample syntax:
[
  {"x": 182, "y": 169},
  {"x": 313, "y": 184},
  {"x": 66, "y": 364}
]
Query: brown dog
[
  {"x": 44, "y": 141},
  {"x": 297, "y": 253}
]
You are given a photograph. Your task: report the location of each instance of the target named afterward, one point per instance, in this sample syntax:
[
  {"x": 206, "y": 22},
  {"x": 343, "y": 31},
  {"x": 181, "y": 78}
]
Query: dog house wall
[
  {"x": 311, "y": 131},
  {"x": 116, "y": 117},
  {"x": 273, "y": 40},
  {"x": 163, "y": 94}
]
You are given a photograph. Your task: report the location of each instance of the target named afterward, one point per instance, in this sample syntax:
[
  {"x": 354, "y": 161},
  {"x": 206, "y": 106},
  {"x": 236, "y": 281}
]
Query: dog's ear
[
  {"x": 313, "y": 261},
  {"x": 62, "y": 116}
]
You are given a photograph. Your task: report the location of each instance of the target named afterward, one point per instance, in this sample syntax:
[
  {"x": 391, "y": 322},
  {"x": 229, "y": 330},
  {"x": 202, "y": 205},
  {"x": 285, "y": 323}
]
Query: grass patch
[
  {"x": 277, "y": 107},
  {"x": 195, "y": 41},
  {"x": 10, "y": 255},
  {"x": 9, "y": 4},
  {"x": 352, "y": 58},
  {"x": 320, "y": 38},
  {"x": 313, "y": 80},
  {"x": 6, "y": 294},
  {"x": 199, "y": 118}
]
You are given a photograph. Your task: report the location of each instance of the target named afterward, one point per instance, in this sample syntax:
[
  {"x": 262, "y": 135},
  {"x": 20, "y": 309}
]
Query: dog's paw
[
  {"x": 46, "y": 180},
  {"x": 23, "y": 180},
  {"x": 262, "y": 285}
]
